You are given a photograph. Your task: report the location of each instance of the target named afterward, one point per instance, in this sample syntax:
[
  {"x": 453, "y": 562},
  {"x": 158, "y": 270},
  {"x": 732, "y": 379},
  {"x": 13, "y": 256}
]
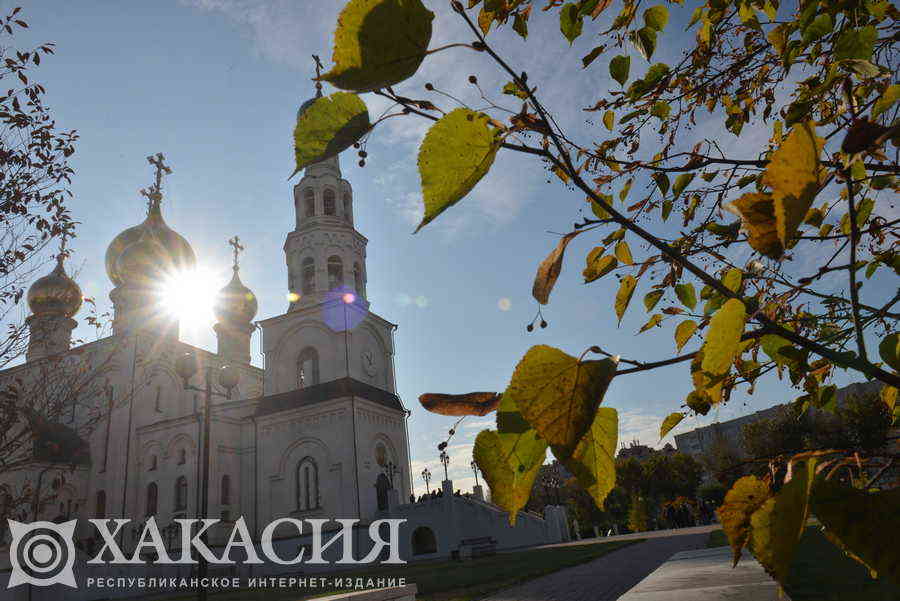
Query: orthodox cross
[
  {"x": 318, "y": 66},
  {"x": 64, "y": 239},
  {"x": 154, "y": 194},
  {"x": 237, "y": 247}
]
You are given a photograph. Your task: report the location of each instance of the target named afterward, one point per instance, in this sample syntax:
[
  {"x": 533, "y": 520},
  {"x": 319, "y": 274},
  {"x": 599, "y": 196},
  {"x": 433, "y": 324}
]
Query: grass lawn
[
  {"x": 452, "y": 580},
  {"x": 821, "y": 572}
]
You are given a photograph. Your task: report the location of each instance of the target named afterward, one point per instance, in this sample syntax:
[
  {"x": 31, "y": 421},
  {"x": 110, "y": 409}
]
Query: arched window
[
  {"x": 182, "y": 456},
  {"x": 348, "y": 212},
  {"x": 423, "y": 541},
  {"x": 309, "y": 275},
  {"x": 308, "y": 485},
  {"x": 335, "y": 272},
  {"x": 308, "y": 368},
  {"x": 100, "y": 511},
  {"x": 153, "y": 463},
  {"x": 357, "y": 278},
  {"x": 181, "y": 493},
  {"x": 309, "y": 202},
  {"x": 328, "y": 201},
  {"x": 225, "y": 497},
  {"x": 153, "y": 498}
]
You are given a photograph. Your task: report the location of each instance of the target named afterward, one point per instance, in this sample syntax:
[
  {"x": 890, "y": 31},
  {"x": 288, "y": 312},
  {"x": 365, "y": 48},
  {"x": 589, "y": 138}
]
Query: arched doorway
[
  {"x": 382, "y": 486},
  {"x": 423, "y": 541}
]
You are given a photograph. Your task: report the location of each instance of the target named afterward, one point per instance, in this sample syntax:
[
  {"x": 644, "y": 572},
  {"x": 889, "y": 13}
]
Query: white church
[{"x": 318, "y": 431}]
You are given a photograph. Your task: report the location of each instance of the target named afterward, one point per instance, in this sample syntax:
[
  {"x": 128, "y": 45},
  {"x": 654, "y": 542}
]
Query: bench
[{"x": 479, "y": 547}]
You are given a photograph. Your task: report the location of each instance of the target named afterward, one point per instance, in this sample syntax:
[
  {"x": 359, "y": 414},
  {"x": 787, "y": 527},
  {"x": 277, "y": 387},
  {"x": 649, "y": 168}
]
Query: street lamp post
[
  {"x": 474, "y": 467},
  {"x": 445, "y": 459},
  {"x": 426, "y": 476},
  {"x": 391, "y": 470},
  {"x": 186, "y": 367}
]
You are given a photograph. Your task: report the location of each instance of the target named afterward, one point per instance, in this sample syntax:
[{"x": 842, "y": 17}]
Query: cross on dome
[
  {"x": 154, "y": 194},
  {"x": 318, "y": 67},
  {"x": 237, "y": 248}
]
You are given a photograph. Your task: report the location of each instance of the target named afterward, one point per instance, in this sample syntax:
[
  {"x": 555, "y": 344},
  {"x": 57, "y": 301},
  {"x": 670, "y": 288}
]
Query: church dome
[
  {"x": 176, "y": 253},
  {"x": 235, "y": 302},
  {"x": 55, "y": 293},
  {"x": 144, "y": 262}
]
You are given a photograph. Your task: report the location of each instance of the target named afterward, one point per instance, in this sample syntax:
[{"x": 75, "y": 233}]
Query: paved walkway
[{"x": 610, "y": 576}]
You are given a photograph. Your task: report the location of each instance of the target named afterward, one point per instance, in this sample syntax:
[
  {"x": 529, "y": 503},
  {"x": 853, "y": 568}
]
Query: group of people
[{"x": 435, "y": 494}]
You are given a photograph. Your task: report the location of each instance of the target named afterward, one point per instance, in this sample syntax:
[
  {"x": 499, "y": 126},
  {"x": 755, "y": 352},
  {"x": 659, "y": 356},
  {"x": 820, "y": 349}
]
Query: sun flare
[{"x": 190, "y": 295}]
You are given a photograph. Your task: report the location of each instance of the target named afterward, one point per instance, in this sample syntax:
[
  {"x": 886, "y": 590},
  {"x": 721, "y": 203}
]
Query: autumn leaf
[
  {"x": 619, "y": 68},
  {"x": 623, "y": 296},
  {"x": 570, "y": 22},
  {"x": 623, "y": 253},
  {"x": 520, "y": 443},
  {"x": 654, "y": 321},
  {"x": 889, "y": 349},
  {"x": 472, "y": 403},
  {"x": 683, "y": 333},
  {"x": 593, "y": 461},
  {"x": 757, "y": 213},
  {"x": 687, "y": 295},
  {"x": 652, "y": 298},
  {"x": 328, "y": 126},
  {"x": 723, "y": 337},
  {"x": 510, "y": 489},
  {"x": 598, "y": 265},
  {"x": 748, "y": 494},
  {"x": 672, "y": 420},
  {"x": 548, "y": 270}
]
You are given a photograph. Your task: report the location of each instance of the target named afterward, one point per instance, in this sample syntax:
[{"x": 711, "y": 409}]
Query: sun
[{"x": 189, "y": 295}]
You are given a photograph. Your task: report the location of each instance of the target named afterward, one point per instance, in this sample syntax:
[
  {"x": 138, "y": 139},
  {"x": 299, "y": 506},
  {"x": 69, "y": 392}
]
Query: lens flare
[{"x": 190, "y": 295}]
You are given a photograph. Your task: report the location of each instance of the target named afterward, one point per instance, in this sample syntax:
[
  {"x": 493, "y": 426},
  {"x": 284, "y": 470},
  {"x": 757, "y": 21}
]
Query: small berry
[
  {"x": 362, "y": 163},
  {"x": 452, "y": 431},
  {"x": 363, "y": 153},
  {"x": 356, "y": 145},
  {"x": 529, "y": 327},
  {"x": 543, "y": 324},
  {"x": 429, "y": 87},
  {"x": 473, "y": 79}
]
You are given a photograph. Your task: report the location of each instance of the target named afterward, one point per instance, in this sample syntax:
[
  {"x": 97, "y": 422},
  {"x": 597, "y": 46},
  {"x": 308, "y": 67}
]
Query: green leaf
[
  {"x": 733, "y": 278},
  {"x": 591, "y": 56},
  {"x": 609, "y": 119},
  {"x": 819, "y": 28},
  {"x": 856, "y": 43},
  {"x": 656, "y": 17},
  {"x": 379, "y": 43},
  {"x": 687, "y": 295},
  {"x": 510, "y": 489},
  {"x": 456, "y": 153},
  {"x": 682, "y": 182},
  {"x": 623, "y": 296},
  {"x": 644, "y": 39},
  {"x": 593, "y": 462},
  {"x": 598, "y": 265},
  {"x": 887, "y": 100},
  {"x": 514, "y": 90},
  {"x": 865, "y": 523},
  {"x": 519, "y": 442},
  {"x": 889, "y": 349},
  {"x": 779, "y": 523},
  {"x": 698, "y": 401},
  {"x": 672, "y": 420},
  {"x": 619, "y": 68},
  {"x": 654, "y": 321},
  {"x": 549, "y": 269},
  {"x": 623, "y": 253},
  {"x": 570, "y": 22},
  {"x": 683, "y": 333},
  {"x": 652, "y": 298},
  {"x": 520, "y": 24},
  {"x": 723, "y": 337},
  {"x": 662, "y": 182},
  {"x": 559, "y": 395},
  {"x": 661, "y": 110},
  {"x": 746, "y": 496},
  {"x": 328, "y": 126}
]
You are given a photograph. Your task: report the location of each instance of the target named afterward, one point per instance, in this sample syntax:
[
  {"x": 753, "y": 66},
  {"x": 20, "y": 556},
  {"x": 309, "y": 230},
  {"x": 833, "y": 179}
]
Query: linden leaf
[
  {"x": 548, "y": 270},
  {"x": 330, "y": 125},
  {"x": 687, "y": 295},
  {"x": 598, "y": 265},
  {"x": 653, "y": 321},
  {"x": 593, "y": 462},
  {"x": 662, "y": 182},
  {"x": 682, "y": 182},
  {"x": 795, "y": 177},
  {"x": 866, "y": 523},
  {"x": 656, "y": 17},
  {"x": 510, "y": 489},
  {"x": 456, "y": 153},
  {"x": 623, "y": 296},
  {"x": 723, "y": 337},
  {"x": 619, "y": 67},
  {"x": 887, "y": 100},
  {"x": 683, "y": 333},
  {"x": 889, "y": 349},
  {"x": 652, "y": 298},
  {"x": 776, "y": 527},
  {"x": 672, "y": 420},
  {"x": 757, "y": 213},
  {"x": 733, "y": 278},
  {"x": 559, "y": 395},
  {"x": 472, "y": 403},
  {"x": 521, "y": 443},
  {"x": 699, "y": 402},
  {"x": 570, "y": 22},
  {"x": 609, "y": 119},
  {"x": 623, "y": 253},
  {"x": 746, "y": 496},
  {"x": 379, "y": 43},
  {"x": 644, "y": 39},
  {"x": 856, "y": 43}
]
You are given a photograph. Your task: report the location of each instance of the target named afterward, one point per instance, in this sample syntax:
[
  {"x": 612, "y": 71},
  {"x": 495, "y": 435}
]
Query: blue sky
[{"x": 215, "y": 85}]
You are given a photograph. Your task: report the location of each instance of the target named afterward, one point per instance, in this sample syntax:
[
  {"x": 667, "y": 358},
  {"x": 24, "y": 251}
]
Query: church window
[
  {"x": 348, "y": 213},
  {"x": 153, "y": 463},
  {"x": 328, "y": 201},
  {"x": 307, "y": 485},
  {"x": 335, "y": 272},
  {"x": 181, "y": 493},
  {"x": 309, "y": 275},
  {"x": 308, "y": 367},
  {"x": 226, "y": 490},
  {"x": 101, "y": 504},
  {"x": 182, "y": 456},
  {"x": 309, "y": 202},
  {"x": 357, "y": 278},
  {"x": 152, "y": 498}
]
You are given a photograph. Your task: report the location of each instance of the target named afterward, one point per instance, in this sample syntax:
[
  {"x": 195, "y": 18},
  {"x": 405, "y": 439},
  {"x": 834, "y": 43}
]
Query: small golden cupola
[
  {"x": 53, "y": 300},
  {"x": 234, "y": 308}
]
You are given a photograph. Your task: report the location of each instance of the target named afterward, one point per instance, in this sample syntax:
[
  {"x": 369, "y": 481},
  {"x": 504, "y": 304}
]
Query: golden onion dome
[
  {"x": 55, "y": 293},
  {"x": 235, "y": 302},
  {"x": 145, "y": 262},
  {"x": 177, "y": 252}
]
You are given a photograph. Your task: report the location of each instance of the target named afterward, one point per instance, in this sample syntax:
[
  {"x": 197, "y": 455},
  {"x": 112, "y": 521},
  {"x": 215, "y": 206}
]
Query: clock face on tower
[{"x": 368, "y": 362}]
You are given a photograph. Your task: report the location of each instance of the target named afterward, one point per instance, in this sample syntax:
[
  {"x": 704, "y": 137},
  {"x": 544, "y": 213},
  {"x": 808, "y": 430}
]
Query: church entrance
[{"x": 423, "y": 541}]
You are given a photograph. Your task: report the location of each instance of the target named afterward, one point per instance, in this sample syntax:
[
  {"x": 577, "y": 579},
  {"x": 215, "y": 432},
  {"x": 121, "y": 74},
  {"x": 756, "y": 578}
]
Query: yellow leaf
[
  {"x": 379, "y": 43},
  {"x": 683, "y": 333},
  {"x": 510, "y": 489},
  {"x": 548, "y": 270},
  {"x": 328, "y": 126},
  {"x": 598, "y": 265},
  {"x": 558, "y": 394},
  {"x": 672, "y": 420},
  {"x": 795, "y": 176},
  {"x": 723, "y": 337},
  {"x": 593, "y": 463},
  {"x": 746, "y": 496},
  {"x": 623, "y": 253},
  {"x": 623, "y": 296},
  {"x": 609, "y": 119},
  {"x": 653, "y": 321}
]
